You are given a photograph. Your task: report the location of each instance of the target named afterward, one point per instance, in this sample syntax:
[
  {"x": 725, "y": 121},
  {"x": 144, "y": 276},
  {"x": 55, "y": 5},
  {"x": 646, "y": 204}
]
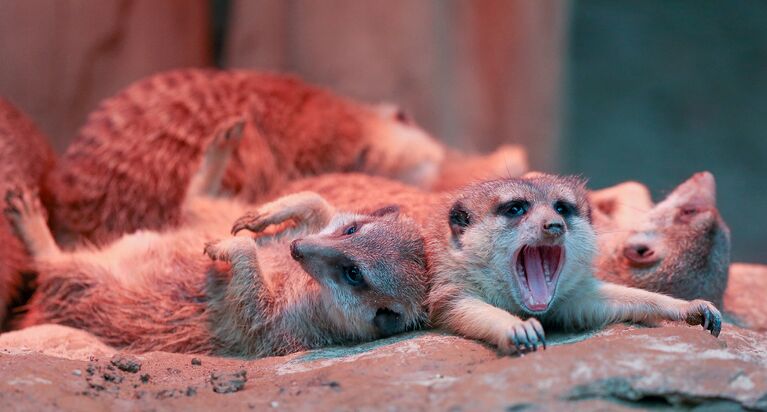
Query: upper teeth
[{"x": 547, "y": 270}]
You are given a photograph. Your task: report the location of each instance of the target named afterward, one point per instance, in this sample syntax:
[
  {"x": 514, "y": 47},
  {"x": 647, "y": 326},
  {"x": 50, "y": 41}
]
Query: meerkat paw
[
  {"x": 255, "y": 222},
  {"x": 225, "y": 249},
  {"x": 22, "y": 207},
  {"x": 704, "y": 313},
  {"x": 305, "y": 209},
  {"x": 22, "y": 204},
  {"x": 525, "y": 336},
  {"x": 228, "y": 136}
]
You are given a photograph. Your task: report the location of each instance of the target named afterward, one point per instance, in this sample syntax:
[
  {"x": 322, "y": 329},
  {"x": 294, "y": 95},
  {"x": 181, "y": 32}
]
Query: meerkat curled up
[
  {"x": 129, "y": 164},
  {"x": 349, "y": 278}
]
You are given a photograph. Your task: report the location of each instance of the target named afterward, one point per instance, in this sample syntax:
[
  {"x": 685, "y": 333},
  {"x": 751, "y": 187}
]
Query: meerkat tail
[
  {"x": 207, "y": 180},
  {"x": 28, "y": 219},
  {"x": 613, "y": 303},
  {"x": 310, "y": 211}
]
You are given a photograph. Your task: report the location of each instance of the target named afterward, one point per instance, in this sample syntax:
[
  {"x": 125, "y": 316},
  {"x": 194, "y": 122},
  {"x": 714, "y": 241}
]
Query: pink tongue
[{"x": 536, "y": 279}]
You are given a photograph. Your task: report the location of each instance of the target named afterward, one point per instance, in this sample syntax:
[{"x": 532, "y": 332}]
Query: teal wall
[{"x": 660, "y": 89}]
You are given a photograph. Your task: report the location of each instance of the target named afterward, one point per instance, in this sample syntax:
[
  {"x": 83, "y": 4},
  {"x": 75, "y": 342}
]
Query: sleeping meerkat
[
  {"x": 129, "y": 164},
  {"x": 350, "y": 278},
  {"x": 510, "y": 256},
  {"x": 680, "y": 246}
]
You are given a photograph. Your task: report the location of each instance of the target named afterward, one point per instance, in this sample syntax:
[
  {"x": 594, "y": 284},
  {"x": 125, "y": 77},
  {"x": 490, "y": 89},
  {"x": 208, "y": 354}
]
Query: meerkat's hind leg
[
  {"x": 310, "y": 212},
  {"x": 27, "y": 217},
  {"x": 208, "y": 178}
]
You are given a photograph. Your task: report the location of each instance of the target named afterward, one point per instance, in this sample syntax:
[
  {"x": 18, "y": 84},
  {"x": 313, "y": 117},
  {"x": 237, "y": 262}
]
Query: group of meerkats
[{"x": 250, "y": 214}]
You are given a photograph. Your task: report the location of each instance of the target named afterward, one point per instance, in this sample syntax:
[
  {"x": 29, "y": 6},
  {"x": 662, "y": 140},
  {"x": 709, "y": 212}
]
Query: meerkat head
[
  {"x": 397, "y": 148},
  {"x": 371, "y": 268},
  {"x": 523, "y": 242},
  {"x": 680, "y": 247}
]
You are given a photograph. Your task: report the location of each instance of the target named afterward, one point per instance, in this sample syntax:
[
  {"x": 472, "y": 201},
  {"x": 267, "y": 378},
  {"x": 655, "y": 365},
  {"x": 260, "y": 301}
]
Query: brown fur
[
  {"x": 468, "y": 296},
  {"x": 155, "y": 291},
  {"x": 129, "y": 165},
  {"x": 679, "y": 247},
  {"x": 25, "y": 157}
]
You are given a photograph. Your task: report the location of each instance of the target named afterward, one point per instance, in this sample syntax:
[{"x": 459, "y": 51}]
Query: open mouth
[{"x": 537, "y": 271}]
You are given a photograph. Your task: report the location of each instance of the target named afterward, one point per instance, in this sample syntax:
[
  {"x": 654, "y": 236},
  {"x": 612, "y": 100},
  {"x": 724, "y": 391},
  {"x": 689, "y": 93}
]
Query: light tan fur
[
  {"x": 680, "y": 246},
  {"x": 474, "y": 278},
  {"x": 471, "y": 254},
  {"x": 156, "y": 291}
]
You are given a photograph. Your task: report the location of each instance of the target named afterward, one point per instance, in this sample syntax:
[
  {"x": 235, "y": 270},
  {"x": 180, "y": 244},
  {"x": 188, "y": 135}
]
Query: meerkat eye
[
  {"x": 402, "y": 117},
  {"x": 514, "y": 208},
  {"x": 687, "y": 213},
  {"x": 689, "y": 210},
  {"x": 564, "y": 209},
  {"x": 351, "y": 229},
  {"x": 353, "y": 275}
]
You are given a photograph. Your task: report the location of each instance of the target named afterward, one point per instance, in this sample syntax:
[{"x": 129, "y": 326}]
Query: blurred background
[{"x": 614, "y": 90}]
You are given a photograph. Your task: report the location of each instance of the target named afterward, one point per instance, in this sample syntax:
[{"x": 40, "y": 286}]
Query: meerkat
[
  {"x": 679, "y": 247},
  {"x": 25, "y": 158},
  {"x": 470, "y": 250},
  {"x": 509, "y": 257},
  {"x": 350, "y": 277},
  {"x": 129, "y": 164}
]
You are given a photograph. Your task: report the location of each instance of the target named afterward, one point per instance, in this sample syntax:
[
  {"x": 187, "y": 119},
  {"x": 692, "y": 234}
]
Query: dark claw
[
  {"x": 715, "y": 325},
  {"x": 517, "y": 345},
  {"x": 706, "y": 317},
  {"x": 243, "y": 223}
]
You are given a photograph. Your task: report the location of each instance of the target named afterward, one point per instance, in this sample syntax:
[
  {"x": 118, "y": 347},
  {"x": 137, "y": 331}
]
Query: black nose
[
  {"x": 554, "y": 228},
  {"x": 640, "y": 254},
  {"x": 294, "y": 252}
]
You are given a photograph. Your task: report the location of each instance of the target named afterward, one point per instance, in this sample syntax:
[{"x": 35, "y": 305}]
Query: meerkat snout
[
  {"x": 295, "y": 251},
  {"x": 553, "y": 227},
  {"x": 388, "y": 322},
  {"x": 641, "y": 254}
]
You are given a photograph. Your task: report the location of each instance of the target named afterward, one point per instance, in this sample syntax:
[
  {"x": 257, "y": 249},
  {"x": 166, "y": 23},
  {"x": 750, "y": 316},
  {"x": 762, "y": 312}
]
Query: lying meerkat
[
  {"x": 679, "y": 247},
  {"x": 353, "y": 277},
  {"x": 510, "y": 256},
  {"x": 129, "y": 165},
  {"x": 494, "y": 267},
  {"x": 25, "y": 158}
]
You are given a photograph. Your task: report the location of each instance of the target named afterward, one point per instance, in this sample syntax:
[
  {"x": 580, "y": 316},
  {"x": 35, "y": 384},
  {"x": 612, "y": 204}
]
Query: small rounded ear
[
  {"x": 459, "y": 219},
  {"x": 386, "y": 210},
  {"x": 606, "y": 206}
]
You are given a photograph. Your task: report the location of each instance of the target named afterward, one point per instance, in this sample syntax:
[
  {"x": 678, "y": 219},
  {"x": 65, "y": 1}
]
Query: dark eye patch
[
  {"x": 352, "y": 275},
  {"x": 687, "y": 213},
  {"x": 513, "y": 208},
  {"x": 351, "y": 229},
  {"x": 403, "y": 117},
  {"x": 565, "y": 208}
]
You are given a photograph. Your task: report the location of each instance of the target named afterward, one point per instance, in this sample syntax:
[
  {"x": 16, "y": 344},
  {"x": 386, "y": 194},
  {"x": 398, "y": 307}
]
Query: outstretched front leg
[
  {"x": 611, "y": 303},
  {"x": 309, "y": 211},
  {"x": 27, "y": 216},
  {"x": 207, "y": 180},
  {"x": 474, "y": 318}
]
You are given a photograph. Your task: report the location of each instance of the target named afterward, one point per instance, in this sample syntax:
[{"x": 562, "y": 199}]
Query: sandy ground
[{"x": 618, "y": 368}]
